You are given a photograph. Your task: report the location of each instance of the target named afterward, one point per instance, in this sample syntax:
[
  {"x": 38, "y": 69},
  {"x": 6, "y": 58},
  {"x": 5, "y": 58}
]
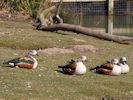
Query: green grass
[{"x": 44, "y": 83}]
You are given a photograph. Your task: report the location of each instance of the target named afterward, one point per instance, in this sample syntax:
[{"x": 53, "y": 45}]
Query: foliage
[{"x": 28, "y": 6}]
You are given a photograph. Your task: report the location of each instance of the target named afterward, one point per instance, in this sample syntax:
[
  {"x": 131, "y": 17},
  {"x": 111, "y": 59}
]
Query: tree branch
[{"x": 87, "y": 31}]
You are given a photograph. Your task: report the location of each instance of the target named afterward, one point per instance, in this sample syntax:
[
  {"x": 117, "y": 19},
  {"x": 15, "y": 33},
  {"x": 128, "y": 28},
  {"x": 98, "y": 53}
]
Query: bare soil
[{"x": 70, "y": 49}]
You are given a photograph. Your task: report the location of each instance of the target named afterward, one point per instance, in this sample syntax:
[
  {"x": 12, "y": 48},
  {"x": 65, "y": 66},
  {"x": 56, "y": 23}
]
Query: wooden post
[
  {"x": 109, "y": 28},
  {"x": 81, "y": 15},
  {"x": 128, "y": 7},
  {"x": 110, "y": 7},
  {"x": 110, "y": 25}
]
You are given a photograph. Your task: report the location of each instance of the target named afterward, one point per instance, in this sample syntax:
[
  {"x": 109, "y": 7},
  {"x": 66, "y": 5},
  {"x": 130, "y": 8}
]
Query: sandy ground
[{"x": 70, "y": 49}]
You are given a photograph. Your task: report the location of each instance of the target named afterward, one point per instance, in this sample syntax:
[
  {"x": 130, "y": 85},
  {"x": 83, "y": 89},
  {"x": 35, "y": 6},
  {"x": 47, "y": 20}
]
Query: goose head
[
  {"x": 82, "y": 58},
  {"x": 123, "y": 60},
  {"x": 32, "y": 53},
  {"x": 114, "y": 61}
]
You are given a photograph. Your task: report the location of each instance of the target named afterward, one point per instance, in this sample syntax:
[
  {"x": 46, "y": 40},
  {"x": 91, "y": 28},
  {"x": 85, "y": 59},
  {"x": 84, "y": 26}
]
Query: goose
[
  {"x": 124, "y": 66},
  {"x": 27, "y": 61},
  {"x": 74, "y": 67},
  {"x": 109, "y": 68}
]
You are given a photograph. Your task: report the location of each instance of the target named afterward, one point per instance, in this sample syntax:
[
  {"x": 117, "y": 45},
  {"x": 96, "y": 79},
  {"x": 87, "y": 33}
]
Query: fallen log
[{"x": 87, "y": 31}]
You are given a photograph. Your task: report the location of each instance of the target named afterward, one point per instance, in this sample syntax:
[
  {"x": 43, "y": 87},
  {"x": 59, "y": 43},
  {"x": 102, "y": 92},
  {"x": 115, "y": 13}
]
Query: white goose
[
  {"x": 74, "y": 67},
  {"x": 109, "y": 68},
  {"x": 27, "y": 61},
  {"x": 124, "y": 66},
  {"x": 80, "y": 68},
  {"x": 116, "y": 68}
]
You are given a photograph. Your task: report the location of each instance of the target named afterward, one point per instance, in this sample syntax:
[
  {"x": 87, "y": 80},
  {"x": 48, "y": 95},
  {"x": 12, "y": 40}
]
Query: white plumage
[
  {"x": 110, "y": 68},
  {"x": 124, "y": 65},
  {"x": 116, "y": 68},
  {"x": 80, "y": 68},
  {"x": 74, "y": 67}
]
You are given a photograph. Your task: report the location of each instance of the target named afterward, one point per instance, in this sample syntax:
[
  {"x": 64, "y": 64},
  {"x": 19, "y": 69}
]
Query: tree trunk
[
  {"x": 44, "y": 14},
  {"x": 87, "y": 31}
]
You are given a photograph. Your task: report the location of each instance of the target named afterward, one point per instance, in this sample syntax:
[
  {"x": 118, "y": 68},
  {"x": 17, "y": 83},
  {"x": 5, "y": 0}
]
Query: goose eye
[{"x": 125, "y": 61}]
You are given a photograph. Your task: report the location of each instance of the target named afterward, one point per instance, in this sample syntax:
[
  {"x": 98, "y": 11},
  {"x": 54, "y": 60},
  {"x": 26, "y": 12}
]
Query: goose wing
[
  {"x": 19, "y": 61},
  {"x": 105, "y": 69},
  {"x": 16, "y": 60},
  {"x": 69, "y": 68}
]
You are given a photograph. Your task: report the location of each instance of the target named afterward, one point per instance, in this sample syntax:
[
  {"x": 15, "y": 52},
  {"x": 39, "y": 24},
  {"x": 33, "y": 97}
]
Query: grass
[{"x": 44, "y": 83}]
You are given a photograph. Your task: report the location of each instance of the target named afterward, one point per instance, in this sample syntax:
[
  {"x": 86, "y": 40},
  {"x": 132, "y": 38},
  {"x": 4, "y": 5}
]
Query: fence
[
  {"x": 92, "y": 13},
  {"x": 100, "y": 7}
]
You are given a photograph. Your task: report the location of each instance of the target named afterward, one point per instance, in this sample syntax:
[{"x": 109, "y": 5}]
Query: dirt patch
[
  {"x": 55, "y": 51},
  {"x": 83, "y": 48},
  {"x": 79, "y": 40},
  {"x": 70, "y": 49}
]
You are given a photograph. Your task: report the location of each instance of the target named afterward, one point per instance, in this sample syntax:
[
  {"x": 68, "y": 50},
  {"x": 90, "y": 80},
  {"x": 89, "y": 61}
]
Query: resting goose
[
  {"x": 124, "y": 65},
  {"x": 109, "y": 68},
  {"x": 27, "y": 61},
  {"x": 74, "y": 67}
]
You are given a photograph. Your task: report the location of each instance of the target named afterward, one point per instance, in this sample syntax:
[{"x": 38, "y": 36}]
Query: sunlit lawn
[{"x": 45, "y": 83}]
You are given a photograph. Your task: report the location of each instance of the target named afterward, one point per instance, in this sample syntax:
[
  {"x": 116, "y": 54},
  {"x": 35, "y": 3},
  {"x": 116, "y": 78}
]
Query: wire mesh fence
[
  {"x": 93, "y": 15},
  {"x": 121, "y": 7}
]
